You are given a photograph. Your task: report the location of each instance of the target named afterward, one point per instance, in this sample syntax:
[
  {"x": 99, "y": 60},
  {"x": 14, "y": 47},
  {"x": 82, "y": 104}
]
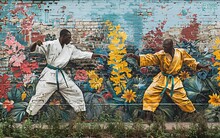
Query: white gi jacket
[{"x": 59, "y": 57}]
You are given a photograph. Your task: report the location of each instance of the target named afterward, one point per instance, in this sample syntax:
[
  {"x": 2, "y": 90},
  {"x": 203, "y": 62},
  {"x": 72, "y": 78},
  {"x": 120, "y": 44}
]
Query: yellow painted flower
[
  {"x": 116, "y": 54},
  {"x": 115, "y": 40},
  {"x": 92, "y": 74},
  {"x": 216, "y": 64},
  {"x": 123, "y": 51},
  {"x": 184, "y": 75},
  {"x": 96, "y": 83},
  {"x": 110, "y": 28},
  {"x": 126, "y": 70},
  {"x": 217, "y": 54},
  {"x": 117, "y": 58},
  {"x": 118, "y": 66},
  {"x": 117, "y": 90},
  {"x": 215, "y": 47},
  {"x": 23, "y": 96},
  {"x": 214, "y": 99},
  {"x": 129, "y": 96},
  {"x": 114, "y": 72},
  {"x": 218, "y": 78},
  {"x": 124, "y": 64},
  {"x": 123, "y": 83},
  {"x": 113, "y": 53},
  {"x": 129, "y": 75},
  {"x": 116, "y": 79},
  {"x": 112, "y": 47},
  {"x": 120, "y": 46},
  {"x": 113, "y": 34},
  {"x": 123, "y": 35},
  {"x": 217, "y": 41},
  {"x": 108, "y": 23},
  {"x": 111, "y": 62},
  {"x": 117, "y": 27}
]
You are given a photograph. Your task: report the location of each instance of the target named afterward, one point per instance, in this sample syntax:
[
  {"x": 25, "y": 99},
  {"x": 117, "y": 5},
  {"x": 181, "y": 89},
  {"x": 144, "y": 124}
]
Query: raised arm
[
  {"x": 145, "y": 60},
  {"x": 79, "y": 54},
  {"x": 34, "y": 45},
  {"x": 191, "y": 62},
  {"x": 99, "y": 55},
  {"x": 40, "y": 47}
]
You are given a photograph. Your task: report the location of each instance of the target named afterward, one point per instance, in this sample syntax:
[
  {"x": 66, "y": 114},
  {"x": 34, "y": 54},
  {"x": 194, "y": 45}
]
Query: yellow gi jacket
[
  {"x": 168, "y": 66},
  {"x": 167, "y": 81}
]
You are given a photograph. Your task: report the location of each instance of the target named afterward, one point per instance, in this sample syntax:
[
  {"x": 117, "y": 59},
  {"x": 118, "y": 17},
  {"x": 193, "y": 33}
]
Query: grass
[{"x": 113, "y": 127}]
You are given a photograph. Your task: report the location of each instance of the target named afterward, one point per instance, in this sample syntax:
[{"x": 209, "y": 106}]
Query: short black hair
[
  {"x": 64, "y": 32},
  {"x": 168, "y": 41}
]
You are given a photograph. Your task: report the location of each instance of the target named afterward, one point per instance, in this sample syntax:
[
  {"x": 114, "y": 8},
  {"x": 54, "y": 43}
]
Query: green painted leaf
[
  {"x": 15, "y": 95},
  {"x": 19, "y": 111},
  {"x": 194, "y": 84},
  {"x": 117, "y": 99},
  {"x": 212, "y": 113}
]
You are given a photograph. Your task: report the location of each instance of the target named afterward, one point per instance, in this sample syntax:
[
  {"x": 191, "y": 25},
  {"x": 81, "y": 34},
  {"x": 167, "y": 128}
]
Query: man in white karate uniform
[{"x": 58, "y": 53}]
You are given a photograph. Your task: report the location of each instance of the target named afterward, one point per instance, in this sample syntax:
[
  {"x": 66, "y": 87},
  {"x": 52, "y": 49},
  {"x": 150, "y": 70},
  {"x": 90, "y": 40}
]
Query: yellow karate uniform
[{"x": 167, "y": 78}]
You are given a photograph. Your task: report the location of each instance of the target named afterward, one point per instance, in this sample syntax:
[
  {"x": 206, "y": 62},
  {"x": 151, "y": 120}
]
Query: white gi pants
[{"x": 44, "y": 90}]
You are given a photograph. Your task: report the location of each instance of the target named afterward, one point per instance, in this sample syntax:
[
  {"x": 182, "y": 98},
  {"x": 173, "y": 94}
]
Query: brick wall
[{"x": 146, "y": 23}]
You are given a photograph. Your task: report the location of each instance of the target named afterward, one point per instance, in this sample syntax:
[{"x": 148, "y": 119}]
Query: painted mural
[{"x": 113, "y": 87}]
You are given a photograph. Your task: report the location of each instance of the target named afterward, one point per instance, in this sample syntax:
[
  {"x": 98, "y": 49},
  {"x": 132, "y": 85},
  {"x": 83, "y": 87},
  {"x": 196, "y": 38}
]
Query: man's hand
[
  {"x": 104, "y": 57},
  {"x": 33, "y": 46},
  {"x": 131, "y": 55},
  {"x": 38, "y": 42},
  {"x": 100, "y": 55}
]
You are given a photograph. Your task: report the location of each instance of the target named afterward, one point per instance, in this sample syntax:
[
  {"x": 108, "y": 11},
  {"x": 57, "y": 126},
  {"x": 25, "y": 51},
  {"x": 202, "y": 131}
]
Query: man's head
[
  {"x": 168, "y": 45},
  {"x": 65, "y": 37}
]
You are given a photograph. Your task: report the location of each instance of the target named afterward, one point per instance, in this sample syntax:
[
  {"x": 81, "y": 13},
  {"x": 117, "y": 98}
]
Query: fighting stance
[
  {"x": 170, "y": 60},
  {"x": 58, "y": 53}
]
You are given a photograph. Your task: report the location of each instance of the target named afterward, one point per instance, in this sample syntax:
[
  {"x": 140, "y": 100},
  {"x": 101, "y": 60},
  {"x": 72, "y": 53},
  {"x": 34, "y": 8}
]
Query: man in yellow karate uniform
[{"x": 170, "y": 60}]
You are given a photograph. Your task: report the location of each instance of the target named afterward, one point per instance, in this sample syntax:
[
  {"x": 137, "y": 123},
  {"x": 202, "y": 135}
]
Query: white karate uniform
[{"x": 47, "y": 85}]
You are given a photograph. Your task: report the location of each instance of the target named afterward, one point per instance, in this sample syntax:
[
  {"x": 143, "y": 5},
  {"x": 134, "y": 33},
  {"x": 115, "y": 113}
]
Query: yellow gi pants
[{"x": 152, "y": 98}]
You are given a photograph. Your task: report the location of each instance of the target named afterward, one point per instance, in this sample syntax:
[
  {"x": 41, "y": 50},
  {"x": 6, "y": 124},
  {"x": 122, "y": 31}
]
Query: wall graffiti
[{"x": 116, "y": 86}]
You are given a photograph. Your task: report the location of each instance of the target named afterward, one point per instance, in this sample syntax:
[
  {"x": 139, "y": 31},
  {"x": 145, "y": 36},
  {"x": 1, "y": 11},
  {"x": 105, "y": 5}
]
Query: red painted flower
[
  {"x": 107, "y": 95},
  {"x": 190, "y": 32},
  {"x": 144, "y": 70},
  {"x": 4, "y": 86},
  {"x": 26, "y": 67},
  {"x": 18, "y": 85},
  {"x": 16, "y": 71},
  {"x": 81, "y": 75},
  {"x": 8, "y": 105},
  {"x": 153, "y": 39}
]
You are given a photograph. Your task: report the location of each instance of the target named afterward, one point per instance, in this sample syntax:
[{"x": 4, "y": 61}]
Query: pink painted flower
[
  {"x": 81, "y": 75},
  {"x": 27, "y": 78},
  {"x": 13, "y": 46},
  {"x": 17, "y": 59},
  {"x": 9, "y": 40},
  {"x": 8, "y": 105}
]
